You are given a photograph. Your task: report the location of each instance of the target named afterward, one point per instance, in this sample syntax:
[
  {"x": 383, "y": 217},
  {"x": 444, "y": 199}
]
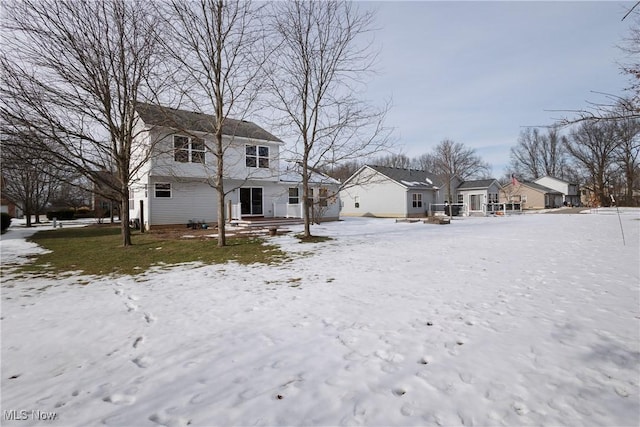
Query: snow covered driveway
[{"x": 522, "y": 320}]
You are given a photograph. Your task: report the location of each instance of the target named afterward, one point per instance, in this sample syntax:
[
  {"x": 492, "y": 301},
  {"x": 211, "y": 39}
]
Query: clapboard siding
[{"x": 188, "y": 201}]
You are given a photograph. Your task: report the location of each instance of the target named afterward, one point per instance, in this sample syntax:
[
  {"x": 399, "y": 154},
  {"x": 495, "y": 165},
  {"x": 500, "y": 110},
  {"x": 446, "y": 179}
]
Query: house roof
[
  {"x": 478, "y": 183},
  {"x": 293, "y": 174},
  {"x": 555, "y": 179},
  {"x": 410, "y": 178},
  {"x": 200, "y": 122},
  {"x": 540, "y": 188}
]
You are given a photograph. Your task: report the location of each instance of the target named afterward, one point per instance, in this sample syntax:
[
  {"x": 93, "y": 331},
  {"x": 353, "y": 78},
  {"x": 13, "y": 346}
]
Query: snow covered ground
[{"x": 501, "y": 321}]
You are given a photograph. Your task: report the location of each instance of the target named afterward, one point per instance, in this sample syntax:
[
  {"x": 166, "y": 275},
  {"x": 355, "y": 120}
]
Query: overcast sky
[{"x": 478, "y": 72}]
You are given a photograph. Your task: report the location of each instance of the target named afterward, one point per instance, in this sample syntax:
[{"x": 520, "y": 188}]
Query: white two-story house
[
  {"x": 570, "y": 195},
  {"x": 175, "y": 185}
]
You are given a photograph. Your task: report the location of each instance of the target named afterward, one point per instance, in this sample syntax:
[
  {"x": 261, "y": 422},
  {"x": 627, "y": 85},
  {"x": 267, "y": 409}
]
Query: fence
[
  {"x": 280, "y": 210},
  {"x": 287, "y": 210},
  {"x": 453, "y": 209},
  {"x": 503, "y": 208}
]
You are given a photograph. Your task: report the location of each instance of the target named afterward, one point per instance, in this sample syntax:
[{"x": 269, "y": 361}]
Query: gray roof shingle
[
  {"x": 412, "y": 178},
  {"x": 478, "y": 183},
  {"x": 200, "y": 122}
]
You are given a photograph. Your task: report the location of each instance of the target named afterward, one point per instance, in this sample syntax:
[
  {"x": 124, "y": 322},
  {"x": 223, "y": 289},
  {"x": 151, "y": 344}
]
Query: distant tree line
[
  {"x": 596, "y": 148},
  {"x": 446, "y": 160},
  {"x": 602, "y": 156}
]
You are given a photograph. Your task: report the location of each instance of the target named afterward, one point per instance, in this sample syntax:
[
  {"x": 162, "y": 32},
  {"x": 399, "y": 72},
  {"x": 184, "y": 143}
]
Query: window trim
[
  {"x": 169, "y": 190},
  {"x": 416, "y": 200},
  {"x": 189, "y": 150},
  {"x": 260, "y": 161},
  {"x": 132, "y": 199},
  {"x": 296, "y": 197}
]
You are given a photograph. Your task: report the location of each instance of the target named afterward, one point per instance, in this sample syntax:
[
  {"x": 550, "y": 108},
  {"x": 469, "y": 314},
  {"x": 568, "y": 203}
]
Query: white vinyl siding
[{"x": 189, "y": 200}]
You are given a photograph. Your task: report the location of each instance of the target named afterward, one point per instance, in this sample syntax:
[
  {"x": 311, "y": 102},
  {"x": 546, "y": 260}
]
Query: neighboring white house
[
  {"x": 389, "y": 192},
  {"x": 175, "y": 184},
  {"x": 404, "y": 193},
  {"x": 479, "y": 197},
  {"x": 570, "y": 195}
]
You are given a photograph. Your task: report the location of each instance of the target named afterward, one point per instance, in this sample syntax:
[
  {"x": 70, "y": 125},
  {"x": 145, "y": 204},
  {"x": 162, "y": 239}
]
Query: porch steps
[{"x": 266, "y": 223}]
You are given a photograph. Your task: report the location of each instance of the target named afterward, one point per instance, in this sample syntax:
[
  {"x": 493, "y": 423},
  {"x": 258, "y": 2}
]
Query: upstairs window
[
  {"x": 257, "y": 156},
  {"x": 493, "y": 197},
  {"x": 188, "y": 150}
]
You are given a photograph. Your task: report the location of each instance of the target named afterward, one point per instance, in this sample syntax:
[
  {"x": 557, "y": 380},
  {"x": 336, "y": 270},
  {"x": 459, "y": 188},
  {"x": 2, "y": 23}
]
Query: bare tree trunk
[
  {"x": 125, "y": 231},
  {"x": 308, "y": 202},
  {"x": 28, "y": 213},
  {"x": 219, "y": 186}
]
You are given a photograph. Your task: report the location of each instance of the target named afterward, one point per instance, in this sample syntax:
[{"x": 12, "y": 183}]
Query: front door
[
  {"x": 474, "y": 202},
  {"x": 251, "y": 201}
]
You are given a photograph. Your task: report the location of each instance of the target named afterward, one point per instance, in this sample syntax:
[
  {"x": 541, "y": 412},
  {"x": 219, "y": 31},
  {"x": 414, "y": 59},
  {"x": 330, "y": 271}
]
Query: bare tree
[
  {"x": 624, "y": 106},
  {"x": 592, "y": 145},
  {"x": 31, "y": 178},
  {"x": 321, "y": 61},
  {"x": 425, "y": 162},
  {"x": 342, "y": 171},
  {"x": 525, "y": 155},
  {"x": 400, "y": 161},
  {"x": 631, "y": 46},
  {"x": 72, "y": 73},
  {"x": 627, "y": 154},
  {"x": 537, "y": 154},
  {"x": 218, "y": 46},
  {"x": 73, "y": 193},
  {"x": 454, "y": 159}
]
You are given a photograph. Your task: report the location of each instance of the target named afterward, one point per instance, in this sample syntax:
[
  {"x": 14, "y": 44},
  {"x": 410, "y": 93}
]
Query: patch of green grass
[{"x": 99, "y": 251}]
